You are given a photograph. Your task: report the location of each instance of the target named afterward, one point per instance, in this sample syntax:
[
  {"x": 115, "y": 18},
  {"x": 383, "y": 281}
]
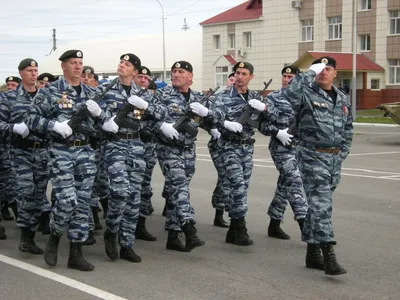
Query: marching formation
[{"x": 99, "y": 143}]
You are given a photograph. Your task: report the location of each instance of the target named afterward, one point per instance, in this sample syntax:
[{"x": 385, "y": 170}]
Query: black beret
[
  {"x": 96, "y": 77},
  {"x": 244, "y": 65},
  {"x": 329, "y": 61},
  {"x": 46, "y": 77},
  {"x": 27, "y": 62},
  {"x": 13, "y": 79},
  {"x": 290, "y": 70},
  {"x": 133, "y": 59},
  {"x": 231, "y": 75},
  {"x": 144, "y": 70},
  {"x": 182, "y": 65},
  {"x": 71, "y": 54},
  {"x": 88, "y": 70}
]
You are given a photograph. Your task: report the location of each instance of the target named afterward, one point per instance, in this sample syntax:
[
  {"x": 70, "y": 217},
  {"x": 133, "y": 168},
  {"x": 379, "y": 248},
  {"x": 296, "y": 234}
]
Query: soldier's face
[
  {"x": 142, "y": 80},
  {"x": 231, "y": 81},
  {"x": 326, "y": 77},
  {"x": 181, "y": 78},
  {"x": 87, "y": 78},
  {"x": 72, "y": 68},
  {"x": 11, "y": 85},
  {"x": 41, "y": 84},
  {"x": 126, "y": 69},
  {"x": 286, "y": 79},
  {"x": 243, "y": 77},
  {"x": 29, "y": 75}
]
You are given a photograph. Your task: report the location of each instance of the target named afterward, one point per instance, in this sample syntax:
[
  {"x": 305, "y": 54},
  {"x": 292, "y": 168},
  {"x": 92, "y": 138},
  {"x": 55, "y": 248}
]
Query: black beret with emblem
[
  {"x": 329, "y": 61},
  {"x": 88, "y": 70},
  {"x": 71, "y": 54},
  {"x": 27, "y": 62},
  {"x": 133, "y": 59},
  {"x": 96, "y": 77},
  {"x": 231, "y": 75},
  {"x": 182, "y": 65},
  {"x": 13, "y": 79},
  {"x": 244, "y": 65},
  {"x": 290, "y": 70},
  {"x": 144, "y": 70},
  {"x": 47, "y": 77}
]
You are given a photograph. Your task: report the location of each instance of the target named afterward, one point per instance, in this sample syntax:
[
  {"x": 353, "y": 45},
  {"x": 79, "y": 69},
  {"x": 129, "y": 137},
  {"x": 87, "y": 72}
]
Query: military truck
[{"x": 392, "y": 110}]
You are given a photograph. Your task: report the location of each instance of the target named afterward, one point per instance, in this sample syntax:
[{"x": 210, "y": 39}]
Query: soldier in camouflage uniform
[
  {"x": 71, "y": 158},
  {"x": 44, "y": 80},
  {"x": 30, "y": 155},
  {"x": 324, "y": 132},
  {"x": 176, "y": 154},
  {"x": 289, "y": 185},
  {"x": 124, "y": 158},
  {"x": 237, "y": 145}
]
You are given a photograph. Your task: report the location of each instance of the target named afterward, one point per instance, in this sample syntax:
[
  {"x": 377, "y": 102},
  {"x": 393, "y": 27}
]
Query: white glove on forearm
[
  {"x": 138, "y": 102},
  {"x": 317, "y": 68},
  {"x": 93, "y": 108},
  {"x": 284, "y": 137},
  {"x": 169, "y": 131},
  {"x": 199, "y": 109},
  {"x": 62, "y": 129},
  {"x": 21, "y": 129},
  {"x": 257, "y": 104},
  {"x": 215, "y": 134},
  {"x": 233, "y": 126},
  {"x": 110, "y": 126}
]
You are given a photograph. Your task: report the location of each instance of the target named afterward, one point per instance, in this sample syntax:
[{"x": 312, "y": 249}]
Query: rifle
[{"x": 183, "y": 123}]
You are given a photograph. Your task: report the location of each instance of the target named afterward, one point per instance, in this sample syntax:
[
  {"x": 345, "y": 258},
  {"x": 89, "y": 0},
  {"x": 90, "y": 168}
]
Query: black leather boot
[
  {"x": 219, "y": 219},
  {"x": 5, "y": 213},
  {"x": 110, "y": 244},
  {"x": 141, "y": 231},
  {"x": 192, "y": 240},
  {"x": 275, "y": 231},
  {"x": 241, "y": 236},
  {"x": 51, "y": 250},
  {"x": 314, "y": 259},
  {"x": 104, "y": 205},
  {"x": 331, "y": 266},
  {"x": 128, "y": 254},
  {"x": 90, "y": 240},
  {"x": 230, "y": 235},
  {"x": 96, "y": 220},
  {"x": 174, "y": 243},
  {"x": 3, "y": 235},
  {"x": 44, "y": 223},
  {"x": 27, "y": 244},
  {"x": 76, "y": 259}
]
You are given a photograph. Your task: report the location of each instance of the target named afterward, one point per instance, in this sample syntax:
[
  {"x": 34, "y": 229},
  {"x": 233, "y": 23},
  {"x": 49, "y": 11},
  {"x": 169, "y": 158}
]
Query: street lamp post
[
  {"x": 354, "y": 79},
  {"x": 163, "y": 33}
]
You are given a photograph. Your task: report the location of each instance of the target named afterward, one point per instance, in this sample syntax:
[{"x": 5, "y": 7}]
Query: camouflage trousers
[
  {"x": 289, "y": 186},
  {"x": 321, "y": 175},
  {"x": 72, "y": 171},
  {"x": 220, "y": 197},
  {"x": 125, "y": 167},
  {"x": 32, "y": 176},
  {"x": 238, "y": 162},
  {"x": 150, "y": 157},
  {"x": 178, "y": 167},
  {"x": 8, "y": 187}
]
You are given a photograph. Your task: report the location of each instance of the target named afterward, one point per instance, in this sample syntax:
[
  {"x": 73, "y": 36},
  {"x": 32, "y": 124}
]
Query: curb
[{"x": 375, "y": 124}]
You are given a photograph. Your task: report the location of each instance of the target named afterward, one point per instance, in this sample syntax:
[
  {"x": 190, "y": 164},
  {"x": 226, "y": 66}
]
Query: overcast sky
[{"x": 26, "y": 26}]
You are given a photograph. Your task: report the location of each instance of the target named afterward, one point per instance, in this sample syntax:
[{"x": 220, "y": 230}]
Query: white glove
[
  {"x": 93, "y": 108},
  {"x": 21, "y": 129},
  {"x": 257, "y": 104},
  {"x": 169, "y": 131},
  {"x": 62, "y": 129},
  {"x": 138, "y": 102},
  {"x": 317, "y": 68},
  {"x": 215, "y": 134},
  {"x": 284, "y": 137},
  {"x": 110, "y": 126},
  {"x": 199, "y": 109},
  {"x": 233, "y": 126}
]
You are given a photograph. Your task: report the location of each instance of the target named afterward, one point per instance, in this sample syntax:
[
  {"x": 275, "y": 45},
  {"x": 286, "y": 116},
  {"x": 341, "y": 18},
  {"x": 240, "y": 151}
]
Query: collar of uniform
[{"x": 64, "y": 86}]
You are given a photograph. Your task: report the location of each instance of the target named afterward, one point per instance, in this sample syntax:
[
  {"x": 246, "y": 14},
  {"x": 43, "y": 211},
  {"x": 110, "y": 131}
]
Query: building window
[
  {"x": 217, "y": 42},
  {"x": 231, "y": 41},
  {"x": 365, "y": 42},
  {"x": 247, "y": 39},
  {"x": 221, "y": 75},
  {"x": 374, "y": 84},
  {"x": 307, "y": 32},
  {"x": 394, "y": 71},
  {"x": 335, "y": 28},
  {"x": 365, "y": 5},
  {"x": 395, "y": 22}
]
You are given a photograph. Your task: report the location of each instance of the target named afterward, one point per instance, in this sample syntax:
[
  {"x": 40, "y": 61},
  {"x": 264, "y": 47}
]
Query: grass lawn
[{"x": 373, "y": 116}]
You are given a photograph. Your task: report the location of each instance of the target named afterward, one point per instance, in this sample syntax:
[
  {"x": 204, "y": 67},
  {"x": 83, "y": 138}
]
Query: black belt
[
  {"x": 128, "y": 135},
  {"x": 331, "y": 150},
  {"x": 238, "y": 140},
  {"x": 28, "y": 144},
  {"x": 147, "y": 138},
  {"x": 72, "y": 143},
  {"x": 176, "y": 145}
]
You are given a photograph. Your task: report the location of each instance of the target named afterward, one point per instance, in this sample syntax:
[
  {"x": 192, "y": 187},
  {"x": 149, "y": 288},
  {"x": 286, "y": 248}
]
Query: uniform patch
[{"x": 345, "y": 109}]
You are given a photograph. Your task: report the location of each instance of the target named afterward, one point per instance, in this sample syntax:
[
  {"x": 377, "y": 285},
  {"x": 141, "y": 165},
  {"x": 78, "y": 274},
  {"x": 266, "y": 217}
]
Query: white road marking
[
  {"x": 373, "y": 153},
  {"x": 60, "y": 279}
]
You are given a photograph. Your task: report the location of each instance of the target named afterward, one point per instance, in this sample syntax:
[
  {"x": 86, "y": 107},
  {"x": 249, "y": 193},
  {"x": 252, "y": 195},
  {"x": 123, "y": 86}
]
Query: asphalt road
[{"x": 366, "y": 222}]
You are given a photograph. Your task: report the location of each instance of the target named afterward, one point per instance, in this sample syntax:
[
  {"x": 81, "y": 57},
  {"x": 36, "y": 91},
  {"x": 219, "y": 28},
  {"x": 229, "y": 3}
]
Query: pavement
[{"x": 366, "y": 220}]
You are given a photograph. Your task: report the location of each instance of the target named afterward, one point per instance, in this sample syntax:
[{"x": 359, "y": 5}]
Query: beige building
[{"x": 272, "y": 34}]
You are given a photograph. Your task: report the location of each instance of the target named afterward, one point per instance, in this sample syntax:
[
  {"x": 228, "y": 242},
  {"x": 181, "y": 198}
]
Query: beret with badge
[
  {"x": 87, "y": 70},
  {"x": 13, "y": 79},
  {"x": 71, "y": 54},
  {"x": 133, "y": 59},
  {"x": 329, "y": 61},
  {"x": 144, "y": 71},
  {"x": 27, "y": 62},
  {"x": 47, "y": 77},
  {"x": 244, "y": 65},
  {"x": 182, "y": 65},
  {"x": 290, "y": 70}
]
